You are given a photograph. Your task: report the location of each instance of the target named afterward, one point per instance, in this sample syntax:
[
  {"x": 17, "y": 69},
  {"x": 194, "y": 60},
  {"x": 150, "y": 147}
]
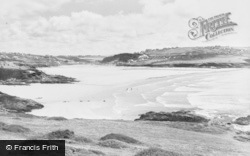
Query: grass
[
  {"x": 120, "y": 137},
  {"x": 11, "y": 73},
  {"x": 97, "y": 152},
  {"x": 124, "y": 57},
  {"x": 156, "y": 152},
  {"x": 71, "y": 151},
  {"x": 16, "y": 104},
  {"x": 14, "y": 128},
  {"x": 242, "y": 138}
]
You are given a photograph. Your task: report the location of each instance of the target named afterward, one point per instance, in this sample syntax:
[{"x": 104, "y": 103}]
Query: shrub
[
  {"x": 120, "y": 137},
  {"x": 2, "y": 124},
  {"x": 61, "y": 134},
  {"x": 156, "y": 152},
  {"x": 82, "y": 139},
  {"x": 57, "y": 118},
  {"x": 243, "y": 120},
  {"x": 112, "y": 144}
]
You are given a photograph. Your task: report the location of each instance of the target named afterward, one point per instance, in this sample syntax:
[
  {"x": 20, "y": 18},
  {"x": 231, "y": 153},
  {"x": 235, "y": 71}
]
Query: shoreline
[
  {"x": 182, "y": 137},
  {"x": 140, "y": 93}
]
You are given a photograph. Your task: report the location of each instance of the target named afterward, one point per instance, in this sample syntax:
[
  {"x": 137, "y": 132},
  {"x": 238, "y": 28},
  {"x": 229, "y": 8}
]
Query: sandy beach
[{"x": 108, "y": 92}]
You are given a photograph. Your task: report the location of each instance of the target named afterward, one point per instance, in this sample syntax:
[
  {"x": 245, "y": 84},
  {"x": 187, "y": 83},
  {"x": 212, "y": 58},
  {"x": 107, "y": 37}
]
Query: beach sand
[{"x": 108, "y": 92}]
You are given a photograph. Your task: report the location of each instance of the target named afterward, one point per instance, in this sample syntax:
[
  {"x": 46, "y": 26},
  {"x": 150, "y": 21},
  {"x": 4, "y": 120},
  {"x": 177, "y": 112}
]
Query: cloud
[{"x": 34, "y": 26}]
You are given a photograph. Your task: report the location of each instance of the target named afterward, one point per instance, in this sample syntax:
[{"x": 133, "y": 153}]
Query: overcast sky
[{"x": 105, "y": 27}]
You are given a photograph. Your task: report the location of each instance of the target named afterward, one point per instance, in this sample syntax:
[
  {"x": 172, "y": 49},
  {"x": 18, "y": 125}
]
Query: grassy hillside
[
  {"x": 124, "y": 138},
  {"x": 23, "y": 60},
  {"x": 216, "y": 56}
]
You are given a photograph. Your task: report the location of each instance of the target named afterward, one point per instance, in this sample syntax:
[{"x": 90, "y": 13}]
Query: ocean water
[{"x": 108, "y": 92}]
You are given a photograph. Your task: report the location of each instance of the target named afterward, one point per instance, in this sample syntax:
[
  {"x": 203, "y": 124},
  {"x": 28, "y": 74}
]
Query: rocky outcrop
[
  {"x": 243, "y": 120},
  {"x": 15, "y": 104},
  {"x": 182, "y": 116},
  {"x": 27, "y": 76}
]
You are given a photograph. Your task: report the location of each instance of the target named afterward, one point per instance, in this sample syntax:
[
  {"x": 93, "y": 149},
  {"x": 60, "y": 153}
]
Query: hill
[
  {"x": 215, "y": 56},
  {"x": 20, "y": 60}
]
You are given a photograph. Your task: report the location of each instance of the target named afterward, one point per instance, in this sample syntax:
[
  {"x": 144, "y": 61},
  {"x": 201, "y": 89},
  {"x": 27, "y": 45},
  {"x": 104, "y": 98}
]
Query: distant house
[{"x": 143, "y": 57}]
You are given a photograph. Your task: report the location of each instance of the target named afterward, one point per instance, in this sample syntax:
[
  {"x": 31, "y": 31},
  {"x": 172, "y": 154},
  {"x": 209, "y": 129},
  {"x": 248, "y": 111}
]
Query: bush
[
  {"x": 156, "y": 152},
  {"x": 112, "y": 144},
  {"x": 82, "y": 139},
  {"x": 120, "y": 137},
  {"x": 243, "y": 120},
  {"x": 61, "y": 134},
  {"x": 2, "y": 124},
  {"x": 57, "y": 118}
]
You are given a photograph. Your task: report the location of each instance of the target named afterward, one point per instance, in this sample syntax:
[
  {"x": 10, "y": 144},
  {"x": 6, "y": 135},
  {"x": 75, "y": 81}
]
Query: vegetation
[
  {"x": 61, "y": 134},
  {"x": 112, "y": 144},
  {"x": 198, "y": 57},
  {"x": 243, "y": 120},
  {"x": 15, "y": 104},
  {"x": 97, "y": 152},
  {"x": 124, "y": 57},
  {"x": 183, "y": 116},
  {"x": 57, "y": 118},
  {"x": 82, "y": 139},
  {"x": 13, "y": 128},
  {"x": 156, "y": 152},
  {"x": 12, "y": 73},
  {"x": 120, "y": 137}
]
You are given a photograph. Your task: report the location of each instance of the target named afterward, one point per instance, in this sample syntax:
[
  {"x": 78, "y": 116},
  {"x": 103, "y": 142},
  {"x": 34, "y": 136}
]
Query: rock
[
  {"x": 243, "y": 120},
  {"x": 16, "y": 104},
  {"x": 182, "y": 116},
  {"x": 30, "y": 75}
]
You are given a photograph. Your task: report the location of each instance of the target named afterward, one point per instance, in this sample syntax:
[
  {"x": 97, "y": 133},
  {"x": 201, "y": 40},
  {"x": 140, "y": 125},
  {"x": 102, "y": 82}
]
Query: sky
[{"x": 106, "y": 27}]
